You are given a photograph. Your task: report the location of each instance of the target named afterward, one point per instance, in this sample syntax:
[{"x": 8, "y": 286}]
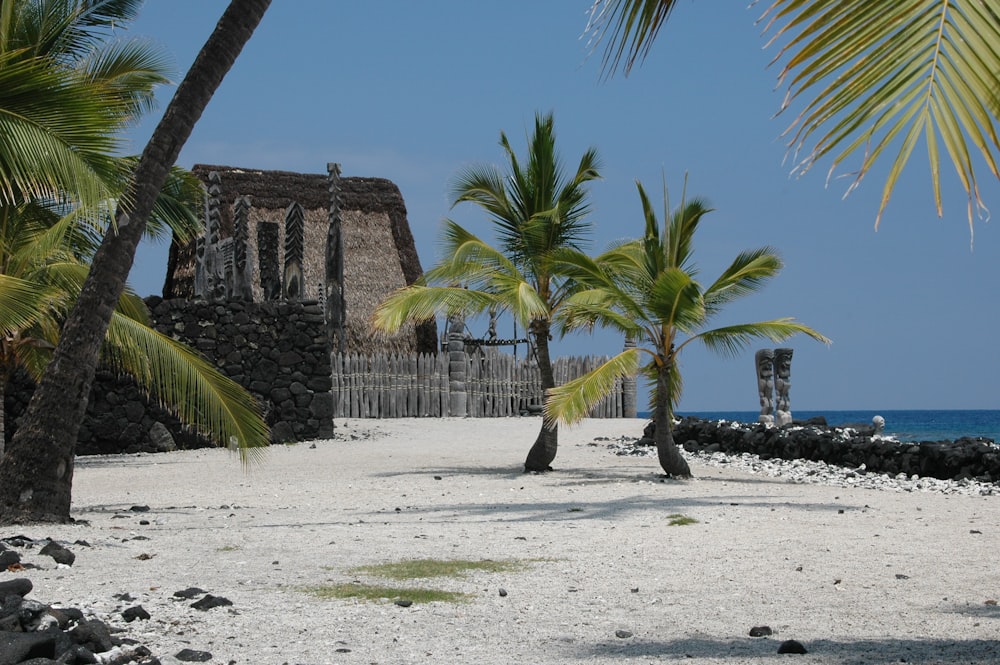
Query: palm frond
[
  {"x": 675, "y": 300},
  {"x": 184, "y": 382},
  {"x": 572, "y": 401},
  {"x": 632, "y": 25},
  {"x": 884, "y": 75},
  {"x": 604, "y": 308},
  {"x": 747, "y": 274},
  {"x": 21, "y": 304},
  {"x": 731, "y": 340},
  {"x": 422, "y": 303}
]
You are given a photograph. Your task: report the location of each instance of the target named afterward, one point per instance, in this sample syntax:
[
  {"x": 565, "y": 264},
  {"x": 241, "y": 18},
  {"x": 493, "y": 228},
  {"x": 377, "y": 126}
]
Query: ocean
[{"x": 903, "y": 425}]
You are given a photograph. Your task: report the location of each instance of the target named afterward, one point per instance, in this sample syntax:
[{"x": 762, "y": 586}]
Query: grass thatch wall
[{"x": 379, "y": 252}]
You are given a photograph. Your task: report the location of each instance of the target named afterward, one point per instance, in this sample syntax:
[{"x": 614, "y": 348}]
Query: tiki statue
[
  {"x": 764, "y": 360},
  {"x": 782, "y": 384}
]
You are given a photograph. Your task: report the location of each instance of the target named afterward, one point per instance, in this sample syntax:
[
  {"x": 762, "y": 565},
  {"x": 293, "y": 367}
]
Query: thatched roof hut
[{"x": 379, "y": 253}]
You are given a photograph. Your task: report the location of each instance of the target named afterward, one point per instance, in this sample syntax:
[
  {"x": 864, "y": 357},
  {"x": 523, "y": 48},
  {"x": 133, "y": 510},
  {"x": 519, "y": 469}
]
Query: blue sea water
[{"x": 903, "y": 425}]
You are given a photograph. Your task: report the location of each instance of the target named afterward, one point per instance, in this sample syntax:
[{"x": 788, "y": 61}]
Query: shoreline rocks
[{"x": 813, "y": 452}]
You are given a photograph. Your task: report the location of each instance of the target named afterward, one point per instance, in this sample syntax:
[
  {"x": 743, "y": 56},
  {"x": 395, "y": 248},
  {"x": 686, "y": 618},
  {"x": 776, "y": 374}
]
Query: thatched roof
[{"x": 380, "y": 254}]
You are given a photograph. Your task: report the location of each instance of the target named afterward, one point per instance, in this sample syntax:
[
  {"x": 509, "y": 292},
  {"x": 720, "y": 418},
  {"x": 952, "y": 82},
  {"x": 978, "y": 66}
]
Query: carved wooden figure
[{"x": 293, "y": 279}]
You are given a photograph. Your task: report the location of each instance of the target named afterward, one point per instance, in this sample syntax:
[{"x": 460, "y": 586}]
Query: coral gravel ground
[{"x": 856, "y": 574}]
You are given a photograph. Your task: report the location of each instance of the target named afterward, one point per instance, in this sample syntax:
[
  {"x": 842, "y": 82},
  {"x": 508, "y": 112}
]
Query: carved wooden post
[
  {"x": 200, "y": 269},
  {"x": 212, "y": 280},
  {"x": 267, "y": 260},
  {"x": 458, "y": 398},
  {"x": 764, "y": 363},
  {"x": 629, "y": 387},
  {"x": 336, "y": 306},
  {"x": 241, "y": 286},
  {"x": 782, "y": 385},
  {"x": 293, "y": 282},
  {"x": 226, "y": 259}
]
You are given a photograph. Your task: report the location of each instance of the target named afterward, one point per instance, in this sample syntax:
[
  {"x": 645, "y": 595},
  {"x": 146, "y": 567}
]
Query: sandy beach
[{"x": 854, "y": 575}]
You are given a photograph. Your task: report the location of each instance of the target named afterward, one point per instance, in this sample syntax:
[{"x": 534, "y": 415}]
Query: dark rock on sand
[
  {"x": 8, "y": 558},
  {"x": 189, "y": 593},
  {"x": 210, "y": 601},
  {"x": 17, "y": 587},
  {"x": 19, "y": 647},
  {"x": 137, "y": 612},
  {"x": 761, "y": 631},
  {"x": 59, "y": 553},
  {"x": 792, "y": 646},
  {"x": 193, "y": 656}
]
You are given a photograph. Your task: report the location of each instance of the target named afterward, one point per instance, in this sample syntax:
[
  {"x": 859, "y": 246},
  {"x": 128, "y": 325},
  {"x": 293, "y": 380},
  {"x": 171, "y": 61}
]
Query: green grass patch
[
  {"x": 426, "y": 568},
  {"x": 378, "y": 592},
  {"x": 680, "y": 520}
]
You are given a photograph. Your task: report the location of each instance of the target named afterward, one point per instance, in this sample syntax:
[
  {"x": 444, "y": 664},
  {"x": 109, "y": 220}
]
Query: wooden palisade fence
[{"x": 417, "y": 385}]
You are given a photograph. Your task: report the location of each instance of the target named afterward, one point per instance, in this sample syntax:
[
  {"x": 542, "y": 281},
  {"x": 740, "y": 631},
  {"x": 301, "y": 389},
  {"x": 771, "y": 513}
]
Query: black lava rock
[
  {"x": 189, "y": 592},
  {"x": 136, "y": 612},
  {"x": 210, "y": 601},
  {"x": 59, "y": 553},
  {"x": 20, "y": 586},
  {"x": 193, "y": 656},
  {"x": 792, "y": 646}
]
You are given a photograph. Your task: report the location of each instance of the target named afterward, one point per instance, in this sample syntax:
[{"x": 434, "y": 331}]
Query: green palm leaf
[
  {"x": 923, "y": 69},
  {"x": 21, "y": 303},
  {"x": 573, "y": 400},
  {"x": 875, "y": 78},
  {"x": 730, "y": 340}
]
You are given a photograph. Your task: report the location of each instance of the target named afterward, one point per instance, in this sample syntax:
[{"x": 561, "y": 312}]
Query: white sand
[{"x": 818, "y": 564}]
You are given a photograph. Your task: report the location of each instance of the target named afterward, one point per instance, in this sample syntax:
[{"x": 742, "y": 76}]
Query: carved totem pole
[
  {"x": 267, "y": 256},
  {"x": 782, "y": 384},
  {"x": 336, "y": 306},
  {"x": 241, "y": 278},
  {"x": 774, "y": 370},
  {"x": 764, "y": 361},
  {"x": 293, "y": 283}
]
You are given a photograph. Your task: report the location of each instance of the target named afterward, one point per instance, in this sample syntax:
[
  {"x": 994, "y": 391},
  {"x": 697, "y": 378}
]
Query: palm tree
[
  {"x": 536, "y": 211},
  {"x": 882, "y": 76},
  {"x": 647, "y": 290},
  {"x": 66, "y": 92},
  {"x": 37, "y": 471}
]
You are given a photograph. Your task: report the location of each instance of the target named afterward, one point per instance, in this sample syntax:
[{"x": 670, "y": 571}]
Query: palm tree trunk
[
  {"x": 671, "y": 460},
  {"x": 543, "y": 452},
  {"x": 3, "y": 413},
  {"x": 36, "y": 474}
]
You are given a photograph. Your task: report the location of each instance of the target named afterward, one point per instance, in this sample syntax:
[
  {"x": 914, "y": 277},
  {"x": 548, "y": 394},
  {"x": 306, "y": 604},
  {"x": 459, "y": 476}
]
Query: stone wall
[
  {"x": 948, "y": 460},
  {"x": 276, "y": 350}
]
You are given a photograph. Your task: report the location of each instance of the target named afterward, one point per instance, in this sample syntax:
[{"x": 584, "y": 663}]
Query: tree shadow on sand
[
  {"x": 829, "y": 652},
  {"x": 584, "y": 509}
]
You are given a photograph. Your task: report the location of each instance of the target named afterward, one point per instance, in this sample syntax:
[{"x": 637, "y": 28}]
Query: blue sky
[{"x": 415, "y": 91}]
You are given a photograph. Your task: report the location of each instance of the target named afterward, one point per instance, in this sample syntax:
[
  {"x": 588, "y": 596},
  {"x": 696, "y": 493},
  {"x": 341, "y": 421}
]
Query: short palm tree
[
  {"x": 873, "y": 77},
  {"x": 647, "y": 290},
  {"x": 537, "y": 211}
]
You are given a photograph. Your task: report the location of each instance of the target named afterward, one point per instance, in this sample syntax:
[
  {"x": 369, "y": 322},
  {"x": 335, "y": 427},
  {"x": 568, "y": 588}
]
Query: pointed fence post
[
  {"x": 293, "y": 283},
  {"x": 458, "y": 402},
  {"x": 267, "y": 260},
  {"x": 241, "y": 286},
  {"x": 336, "y": 307}
]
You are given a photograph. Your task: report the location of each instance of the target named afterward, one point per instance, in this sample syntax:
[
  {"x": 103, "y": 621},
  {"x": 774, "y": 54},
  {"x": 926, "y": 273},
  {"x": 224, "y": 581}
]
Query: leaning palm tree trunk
[
  {"x": 36, "y": 473},
  {"x": 544, "y": 450},
  {"x": 3, "y": 413},
  {"x": 671, "y": 460}
]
